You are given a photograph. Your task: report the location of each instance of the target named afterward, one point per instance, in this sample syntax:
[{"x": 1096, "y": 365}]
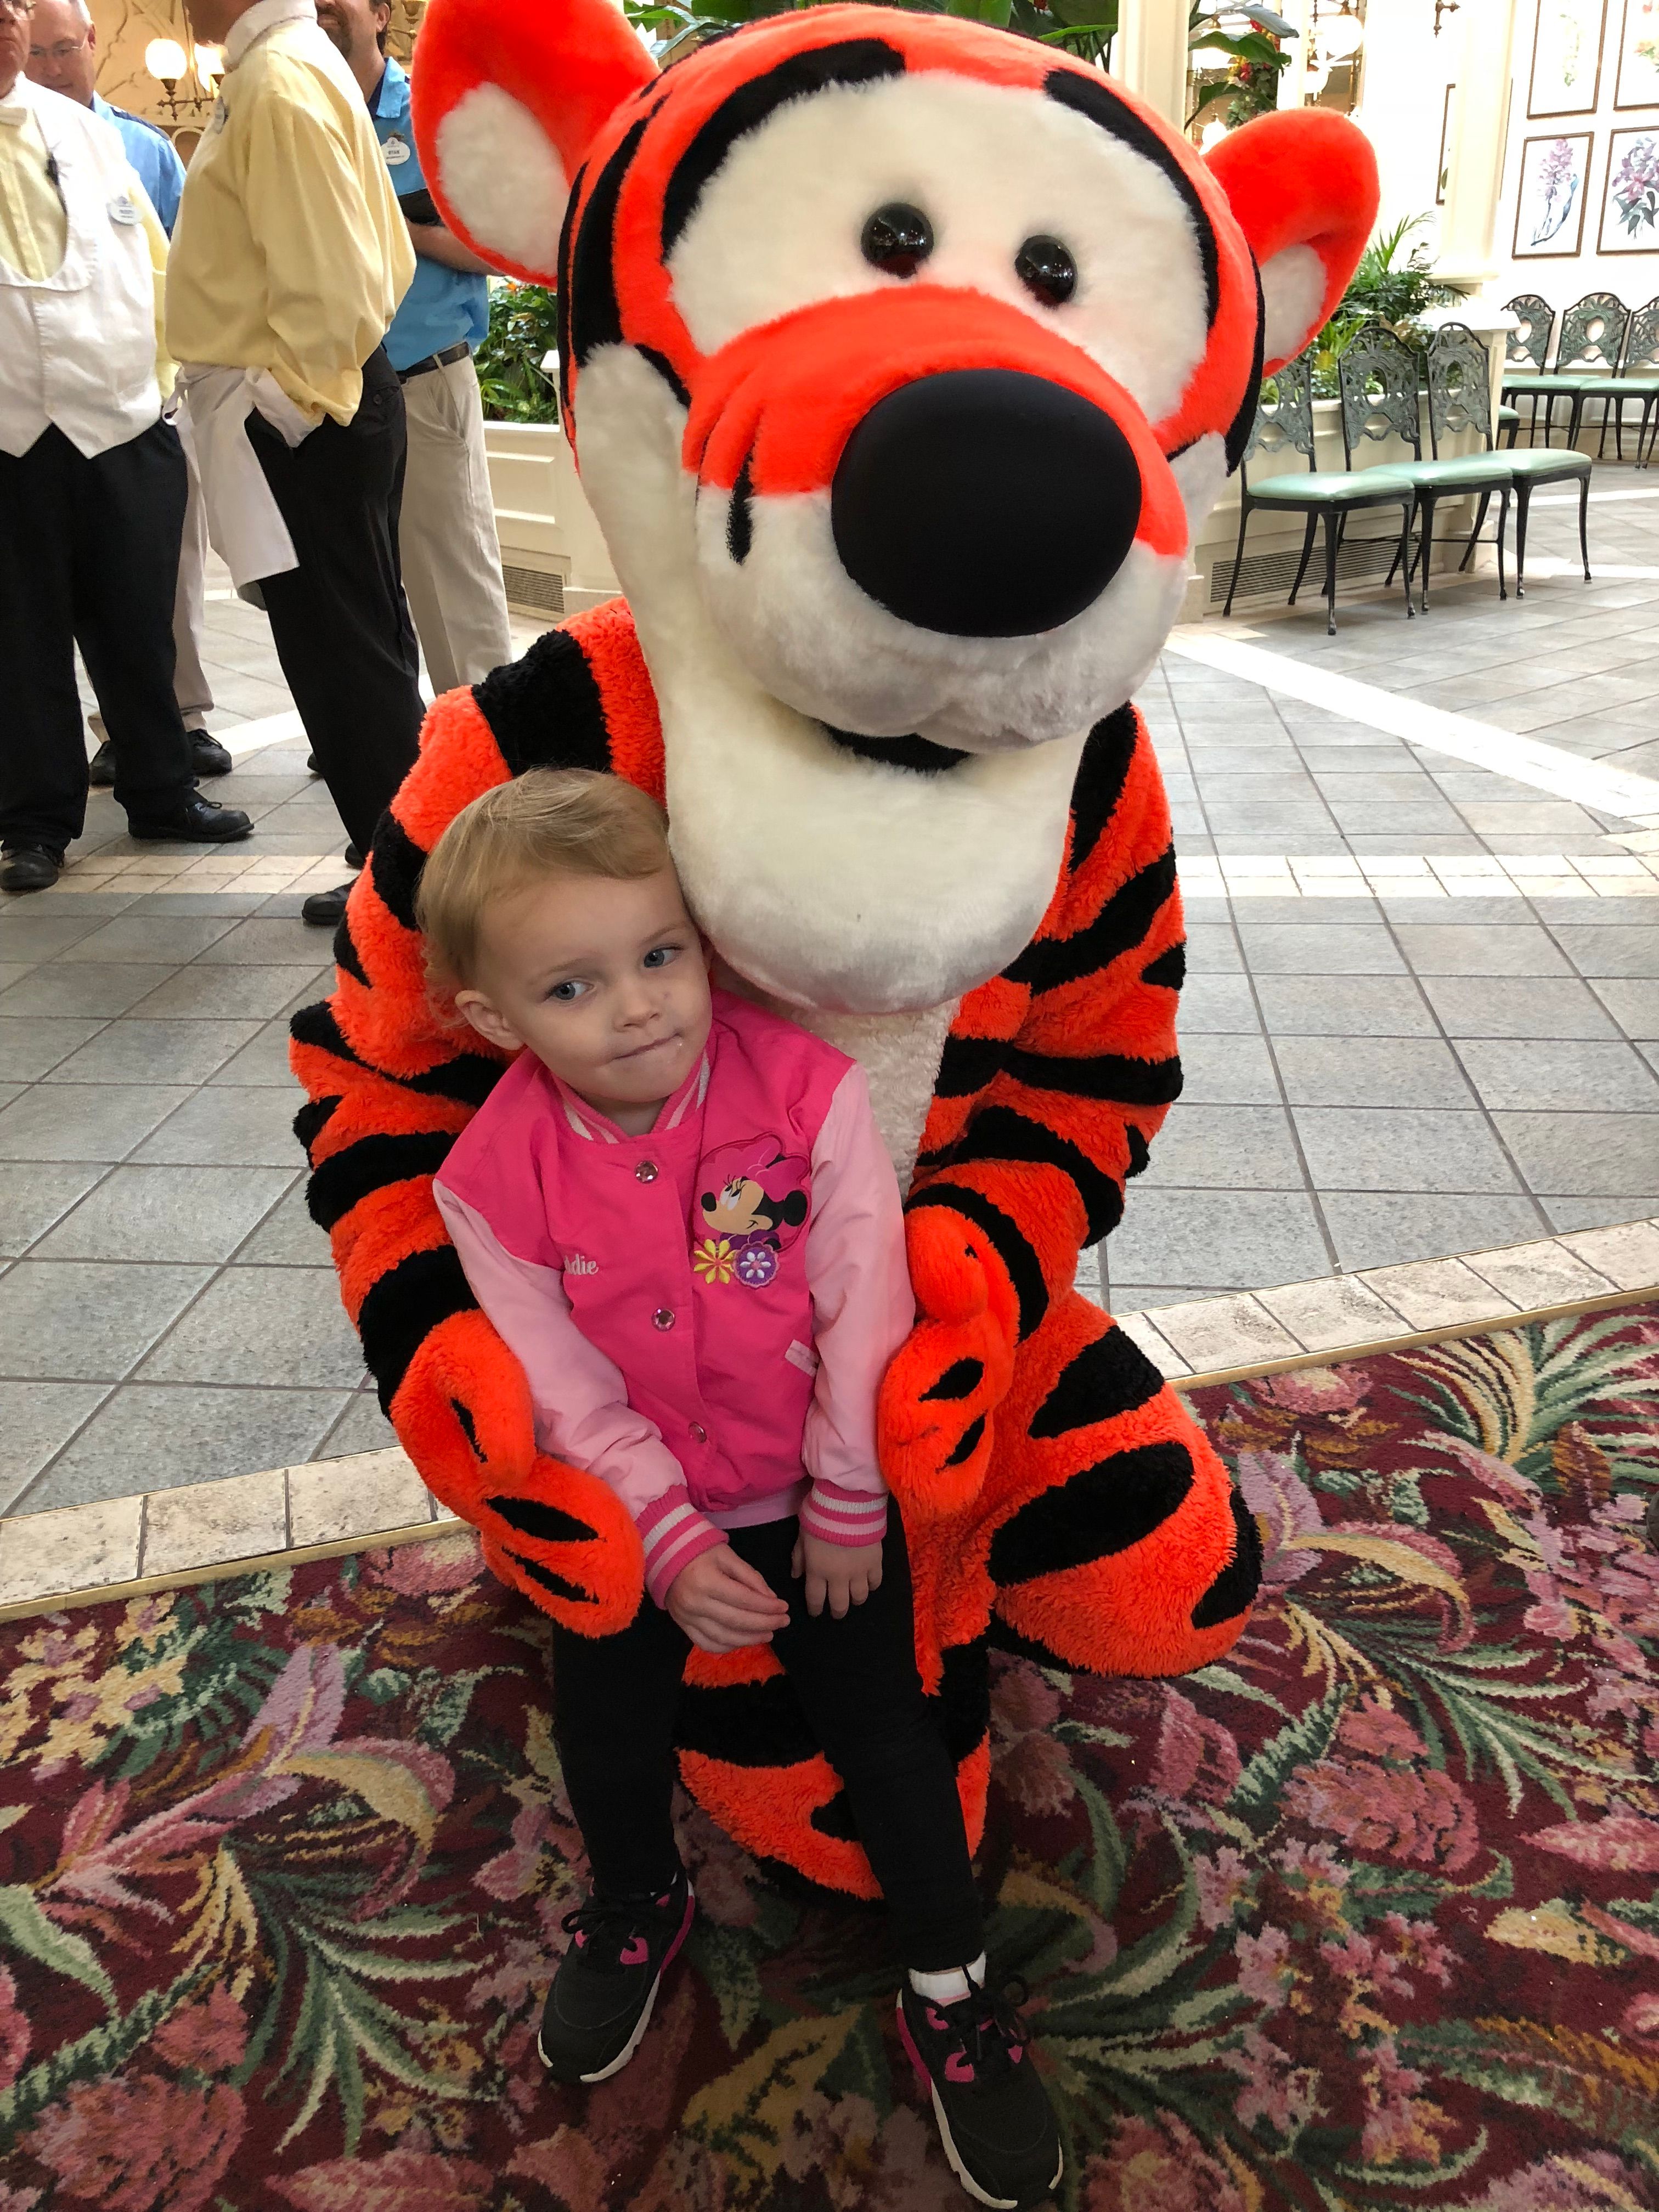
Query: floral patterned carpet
[{"x": 1363, "y": 1918}]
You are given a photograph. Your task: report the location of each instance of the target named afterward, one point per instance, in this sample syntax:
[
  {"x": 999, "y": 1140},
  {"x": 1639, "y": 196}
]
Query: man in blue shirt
[
  {"x": 451, "y": 560},
  {"x": 63, "y": 57}
]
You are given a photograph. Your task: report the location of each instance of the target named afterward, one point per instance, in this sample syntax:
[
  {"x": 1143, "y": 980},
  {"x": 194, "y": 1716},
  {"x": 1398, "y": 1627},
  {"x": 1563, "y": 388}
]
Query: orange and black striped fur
[
  {"x": 913, "y": 810},
  {"x": 1104, "y": 1533}
]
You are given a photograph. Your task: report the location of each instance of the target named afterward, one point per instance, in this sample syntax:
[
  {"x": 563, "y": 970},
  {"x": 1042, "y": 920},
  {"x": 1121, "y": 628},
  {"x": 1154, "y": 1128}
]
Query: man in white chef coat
[{"x": 92, "y": 484}]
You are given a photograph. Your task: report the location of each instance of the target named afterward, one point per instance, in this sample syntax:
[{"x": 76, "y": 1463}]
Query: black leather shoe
[
  {"x": 354, "y": 858},
  {"x": 29, "y": 868},
  {"x": 195, "y": 821},
  {"x": 207, "y": 755},
  {"x": 101, "y": 770},
  {"x": 312, "y": 768},
  {"x": 324, "y": 909}
]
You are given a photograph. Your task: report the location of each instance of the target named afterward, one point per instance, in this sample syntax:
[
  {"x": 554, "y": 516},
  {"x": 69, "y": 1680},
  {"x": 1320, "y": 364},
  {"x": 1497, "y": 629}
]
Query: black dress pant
[
  {"x": 615, "y": 1699},
  {"x": 340, "y": 622},
  {"x": 89, "y": 550}
]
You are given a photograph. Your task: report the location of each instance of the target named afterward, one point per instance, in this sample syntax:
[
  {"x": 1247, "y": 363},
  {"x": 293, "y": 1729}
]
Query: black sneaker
[
  {"x": 994, "y": 2119},
  {"x": 101, "y": 768},
  {"x": 599, "y": 2005}
]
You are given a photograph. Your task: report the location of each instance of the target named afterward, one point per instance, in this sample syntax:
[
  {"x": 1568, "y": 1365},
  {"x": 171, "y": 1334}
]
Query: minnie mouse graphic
[{"x": 757, "y": 1205}]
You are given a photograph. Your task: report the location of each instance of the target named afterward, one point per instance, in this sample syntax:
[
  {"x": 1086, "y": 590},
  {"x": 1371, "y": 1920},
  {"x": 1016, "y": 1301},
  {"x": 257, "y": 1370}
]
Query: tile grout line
[{"x": 1326, "y": 1234}]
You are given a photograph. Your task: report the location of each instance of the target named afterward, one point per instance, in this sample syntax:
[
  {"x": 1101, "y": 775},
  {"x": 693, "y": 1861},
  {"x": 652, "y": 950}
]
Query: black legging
[{"x": 615, "y": 1699}]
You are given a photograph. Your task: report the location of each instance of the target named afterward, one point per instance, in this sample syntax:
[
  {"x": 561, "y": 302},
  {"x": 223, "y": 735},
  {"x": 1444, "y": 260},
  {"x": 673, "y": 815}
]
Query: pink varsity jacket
[{"x": 704, "y": 1313}]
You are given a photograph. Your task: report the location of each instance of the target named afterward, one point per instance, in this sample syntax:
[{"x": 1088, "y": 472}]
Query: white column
[
  {"x": 1293, "y": 78},
  {"x": 1480, "y": 119},
  {"x": 1150, "y": 55}
]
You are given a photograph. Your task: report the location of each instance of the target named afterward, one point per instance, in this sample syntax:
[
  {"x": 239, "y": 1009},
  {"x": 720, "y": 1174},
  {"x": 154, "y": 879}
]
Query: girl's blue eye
[
  {"x": 661, "y": 955},
  {"x": 564, "y": 991}
]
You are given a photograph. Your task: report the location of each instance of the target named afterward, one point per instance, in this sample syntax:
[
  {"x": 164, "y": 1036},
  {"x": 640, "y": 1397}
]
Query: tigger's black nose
[{"x": 984, "y": 502}]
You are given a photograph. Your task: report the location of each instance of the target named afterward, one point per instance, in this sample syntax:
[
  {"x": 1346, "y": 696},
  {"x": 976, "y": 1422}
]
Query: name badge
[
  {"x": 395, "y": 150},
  {"x": 121, "y": 210}
]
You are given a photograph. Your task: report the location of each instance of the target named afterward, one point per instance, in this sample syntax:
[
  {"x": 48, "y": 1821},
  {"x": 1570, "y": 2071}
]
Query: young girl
[{"x": 679, "y": 1212}]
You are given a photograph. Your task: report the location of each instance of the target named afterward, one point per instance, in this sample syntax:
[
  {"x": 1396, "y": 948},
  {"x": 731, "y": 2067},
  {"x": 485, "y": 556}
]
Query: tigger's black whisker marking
[
  {"x": 740, "y": 515},
  {"x": 850, "y": 60},
  {"x": 1093, "y": 97}
]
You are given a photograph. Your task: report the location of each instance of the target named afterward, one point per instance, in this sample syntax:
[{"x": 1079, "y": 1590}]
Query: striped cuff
[
  {"x": 674, "y": 1533},
  {"x": 840, "y": 1515}
]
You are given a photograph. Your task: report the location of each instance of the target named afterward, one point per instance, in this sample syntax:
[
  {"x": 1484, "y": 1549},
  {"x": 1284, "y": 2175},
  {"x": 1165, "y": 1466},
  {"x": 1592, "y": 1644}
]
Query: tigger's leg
[{"x": 1108, "y": 1529}]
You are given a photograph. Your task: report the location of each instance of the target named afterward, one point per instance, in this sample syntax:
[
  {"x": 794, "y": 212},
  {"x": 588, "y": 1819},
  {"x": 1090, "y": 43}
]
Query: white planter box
[{"x": 553, "y": 556}]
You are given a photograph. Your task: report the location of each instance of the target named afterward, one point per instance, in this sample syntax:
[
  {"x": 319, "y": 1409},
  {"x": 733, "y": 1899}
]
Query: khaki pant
[
  {"x": 452, "y": 561},
  {"x": 190, "y": 684}
]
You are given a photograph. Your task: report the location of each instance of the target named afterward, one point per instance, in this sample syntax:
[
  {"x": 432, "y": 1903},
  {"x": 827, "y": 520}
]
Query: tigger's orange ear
[
  {"x": 509, "y": 97},
  {"x": 1302, "y": 187}
]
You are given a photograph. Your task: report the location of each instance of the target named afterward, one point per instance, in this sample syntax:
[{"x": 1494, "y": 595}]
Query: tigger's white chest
[{"x": 898, "y": 1053}]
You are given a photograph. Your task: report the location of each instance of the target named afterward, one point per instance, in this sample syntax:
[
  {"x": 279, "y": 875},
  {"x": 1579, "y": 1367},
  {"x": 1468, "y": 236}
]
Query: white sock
[{"x": 952, "y": 1986}]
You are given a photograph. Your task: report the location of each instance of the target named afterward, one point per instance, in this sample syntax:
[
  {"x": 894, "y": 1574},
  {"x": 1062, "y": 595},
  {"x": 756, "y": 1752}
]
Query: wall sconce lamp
[{"x": 167, "y": 63}]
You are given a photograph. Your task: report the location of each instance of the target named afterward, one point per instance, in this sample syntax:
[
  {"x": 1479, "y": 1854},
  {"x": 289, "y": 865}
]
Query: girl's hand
[
  {"x": 723, "y": 1603},
  {"x": 844, "y": 1573}
]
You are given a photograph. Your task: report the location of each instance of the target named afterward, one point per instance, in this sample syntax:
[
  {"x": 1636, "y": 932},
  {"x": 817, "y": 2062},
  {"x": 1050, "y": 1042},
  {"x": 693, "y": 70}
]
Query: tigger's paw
[
  {"x": 567, "y": 1540},
  {"x": 558, "y": 1533},
  {"x": 463, "y": 1413},
  {"x": 940, "y": 1397}
]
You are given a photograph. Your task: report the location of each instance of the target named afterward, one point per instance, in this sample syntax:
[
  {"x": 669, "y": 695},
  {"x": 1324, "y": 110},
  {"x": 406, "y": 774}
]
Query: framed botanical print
[
  {"x": 1566, "y": 58},
  {"x": 1637, "y": 83},
  {"x": 1549, "y": 210},
  {"x": 1630, "y": 199}
]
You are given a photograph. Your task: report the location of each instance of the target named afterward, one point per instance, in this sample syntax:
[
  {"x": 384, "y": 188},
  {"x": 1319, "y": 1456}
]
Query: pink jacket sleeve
[
  {"x": 863, "y": 1310},
  {"x": 580, "y": 1399}
]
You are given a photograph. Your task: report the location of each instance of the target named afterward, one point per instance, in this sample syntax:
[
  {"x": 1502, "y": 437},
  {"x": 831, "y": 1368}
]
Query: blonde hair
[{"x": 547, "y": 822}]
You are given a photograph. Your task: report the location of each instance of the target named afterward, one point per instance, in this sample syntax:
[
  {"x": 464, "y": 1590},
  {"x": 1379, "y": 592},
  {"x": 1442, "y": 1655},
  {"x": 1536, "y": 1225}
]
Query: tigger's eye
[
  {"x": 897, "y": 238},
  {"x": 1045, "y": 267}
]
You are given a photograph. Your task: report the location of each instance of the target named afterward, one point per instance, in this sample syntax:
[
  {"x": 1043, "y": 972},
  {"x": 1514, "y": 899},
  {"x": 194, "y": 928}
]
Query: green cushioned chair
[
  {"x": 1283, "y": 424},
  {"x": 1460, "y": 397},
  {"x": 1637, "y": 379},
  {"x": 1587, "y": 353},
  {"x": 1381, "y": 381},
  {"x": 1509, "y": 424}
]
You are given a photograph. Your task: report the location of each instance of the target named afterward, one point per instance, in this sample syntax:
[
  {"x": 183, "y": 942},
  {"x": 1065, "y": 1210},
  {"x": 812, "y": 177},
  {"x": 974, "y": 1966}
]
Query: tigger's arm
[
  {"x": 390, "y": 1086},
  {"x": 1056, "y": 1078}
]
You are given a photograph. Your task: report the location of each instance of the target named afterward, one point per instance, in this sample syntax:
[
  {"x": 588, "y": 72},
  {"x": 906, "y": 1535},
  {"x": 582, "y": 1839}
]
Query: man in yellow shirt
[
  {"x": 290, "y": 256},
  {"x": 92, "y": 484}
]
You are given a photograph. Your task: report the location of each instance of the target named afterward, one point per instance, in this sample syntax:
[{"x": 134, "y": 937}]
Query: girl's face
[{"x": 604, "y": 979}]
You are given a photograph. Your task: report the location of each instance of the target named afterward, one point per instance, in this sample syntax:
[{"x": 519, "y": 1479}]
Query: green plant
[
  {"x": 514, "y": 385},
  {"x": 1249, "y": 85},
  {"x": 1385, "y": 289},
  {"x": 1084, "y": 27}
]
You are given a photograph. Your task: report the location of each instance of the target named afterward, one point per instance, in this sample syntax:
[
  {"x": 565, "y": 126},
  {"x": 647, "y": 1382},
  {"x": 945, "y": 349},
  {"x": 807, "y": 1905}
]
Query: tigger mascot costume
[{"x": 903, "y": 355}]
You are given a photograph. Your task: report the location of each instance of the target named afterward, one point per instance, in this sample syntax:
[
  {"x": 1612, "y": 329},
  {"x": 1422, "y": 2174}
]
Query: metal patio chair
[
  {"x": 1285, "y": 424},
  {"x": 1587, "y": 354},
  {"x": 1382, "y": 388}
]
